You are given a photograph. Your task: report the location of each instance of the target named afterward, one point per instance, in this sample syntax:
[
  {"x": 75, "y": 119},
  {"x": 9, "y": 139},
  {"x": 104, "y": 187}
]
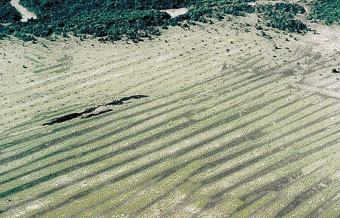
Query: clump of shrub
[
  {"x": 8, "y": 13},
  {"x": 326, "y": 10},
  {"x": 24, "y": 36},
  {"x": 282, "y": 16}
]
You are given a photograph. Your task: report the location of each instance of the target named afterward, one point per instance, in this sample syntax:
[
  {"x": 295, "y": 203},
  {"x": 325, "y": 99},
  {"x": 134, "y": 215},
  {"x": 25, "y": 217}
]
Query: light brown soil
[{"x": 235, "y": 125}]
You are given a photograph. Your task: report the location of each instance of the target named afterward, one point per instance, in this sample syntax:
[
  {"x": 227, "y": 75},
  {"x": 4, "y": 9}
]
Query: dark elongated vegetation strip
[{"x": 137, "y": 20}]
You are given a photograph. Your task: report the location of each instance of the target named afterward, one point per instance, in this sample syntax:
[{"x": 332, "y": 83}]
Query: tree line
[
  {"x": 136, "y": 20},
  {"x": 112, "y": 20}
]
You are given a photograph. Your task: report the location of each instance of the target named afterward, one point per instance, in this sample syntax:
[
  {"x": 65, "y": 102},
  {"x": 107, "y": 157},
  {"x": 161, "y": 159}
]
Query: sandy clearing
[{"x": 176, "y": 12}]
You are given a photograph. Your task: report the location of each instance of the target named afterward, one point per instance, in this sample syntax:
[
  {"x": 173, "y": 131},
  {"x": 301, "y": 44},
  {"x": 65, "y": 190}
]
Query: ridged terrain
[{"x": 234, "y": 125}]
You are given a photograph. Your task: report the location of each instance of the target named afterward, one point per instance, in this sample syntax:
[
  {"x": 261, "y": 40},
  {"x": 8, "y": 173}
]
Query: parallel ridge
[
  {"x": 56, "y": 87},
  {"x": 238, "y": 141}
]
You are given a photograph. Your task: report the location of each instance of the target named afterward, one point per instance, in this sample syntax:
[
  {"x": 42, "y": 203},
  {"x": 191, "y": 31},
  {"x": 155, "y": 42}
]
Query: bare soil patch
[
  {"x": 176, "y": 12},
  {"x": 234, "y": 125}
]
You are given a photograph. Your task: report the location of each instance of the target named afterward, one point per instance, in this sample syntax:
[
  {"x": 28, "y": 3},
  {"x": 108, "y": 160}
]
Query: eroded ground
[{"x": 235, "y": 125}]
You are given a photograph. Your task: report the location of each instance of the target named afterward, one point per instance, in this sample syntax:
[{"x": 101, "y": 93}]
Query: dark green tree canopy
[
  {"x": 112, "y": 20},
  {"x": 8, "y": 13},
  {"x": 326, "y": 10}
]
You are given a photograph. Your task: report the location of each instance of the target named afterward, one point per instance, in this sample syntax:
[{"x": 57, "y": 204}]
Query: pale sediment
[
  {"x": 232, "y": 126},
  {"x": 176, "y": 12}
]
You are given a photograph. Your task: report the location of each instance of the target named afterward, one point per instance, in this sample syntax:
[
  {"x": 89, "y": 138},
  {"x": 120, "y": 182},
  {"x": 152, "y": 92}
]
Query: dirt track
[
  {"x": 24, "y": 12},
  {"x": 234, "y": 125}
]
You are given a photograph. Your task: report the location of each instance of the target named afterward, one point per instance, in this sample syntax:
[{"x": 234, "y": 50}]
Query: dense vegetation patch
[
  {"x": 327, "y": 10},
  {"x": 112, "y": 20},
  {"x": 282, "y": 16},
  {"x": 8, "y": 13}
]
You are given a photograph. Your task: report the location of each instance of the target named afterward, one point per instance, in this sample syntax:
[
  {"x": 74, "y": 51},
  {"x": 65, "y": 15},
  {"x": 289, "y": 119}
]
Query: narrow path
[
  {"x": 24, "y": 12},
  {"x": 176, "y": 12}
]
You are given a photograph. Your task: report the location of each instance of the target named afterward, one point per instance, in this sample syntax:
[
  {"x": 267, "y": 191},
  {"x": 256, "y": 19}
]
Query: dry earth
[{"x": 235, "y": 125}]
